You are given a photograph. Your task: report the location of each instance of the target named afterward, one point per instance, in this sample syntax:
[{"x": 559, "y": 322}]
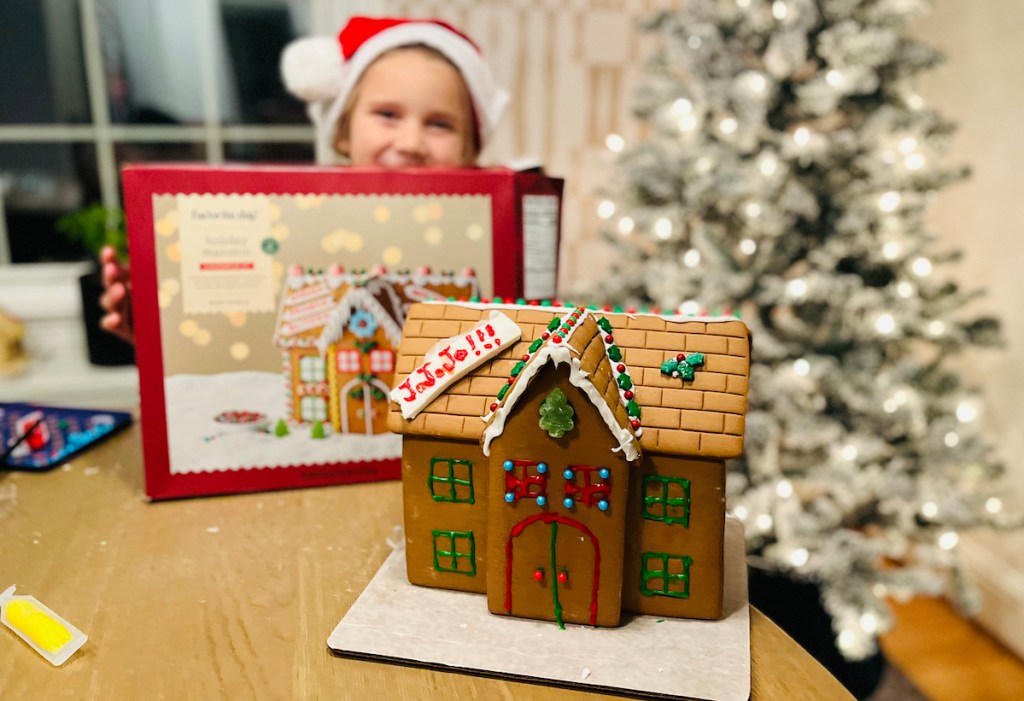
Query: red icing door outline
[{"x": 548, "y": 518}]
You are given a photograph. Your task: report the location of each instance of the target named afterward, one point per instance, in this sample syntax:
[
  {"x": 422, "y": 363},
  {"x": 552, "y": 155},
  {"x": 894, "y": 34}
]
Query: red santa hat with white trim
[{"x": 323, "y": 71}]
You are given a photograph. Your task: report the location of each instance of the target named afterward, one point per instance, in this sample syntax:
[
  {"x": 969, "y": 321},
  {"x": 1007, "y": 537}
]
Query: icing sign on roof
[{"x": 451, "y": 359}]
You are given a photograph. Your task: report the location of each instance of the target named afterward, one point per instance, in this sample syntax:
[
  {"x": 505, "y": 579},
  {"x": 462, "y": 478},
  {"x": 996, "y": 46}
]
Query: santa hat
[{"x": 323, "y": 72}]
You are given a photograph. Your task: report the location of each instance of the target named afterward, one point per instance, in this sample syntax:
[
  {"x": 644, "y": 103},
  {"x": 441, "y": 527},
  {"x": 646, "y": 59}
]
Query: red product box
[{"x": 268, "y": 301}]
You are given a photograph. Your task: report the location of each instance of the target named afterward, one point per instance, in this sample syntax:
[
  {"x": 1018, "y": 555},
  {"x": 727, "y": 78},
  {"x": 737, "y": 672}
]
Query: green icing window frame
[
  {"x": 663, "y": 502},
  {"x": 453, "y": 550},
  {"x": 458, "y": 489},
  {"x": 673, "y": 584}
]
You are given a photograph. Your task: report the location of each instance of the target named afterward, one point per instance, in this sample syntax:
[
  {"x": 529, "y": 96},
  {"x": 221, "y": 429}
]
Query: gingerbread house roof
[
  {"x": 315, "y": 307},
  {"x": 703, "y": 417}
]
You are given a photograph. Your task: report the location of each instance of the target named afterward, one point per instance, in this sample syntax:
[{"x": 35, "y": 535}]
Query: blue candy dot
[
  {"x": 567, "y": 502},
  {"x": 508, "y": 465},
  {"x": 605, "y": 473},
  {"x": 541, "y": 501},
  {"x": 603, "y": 505},
  {"x": 542, "y": 468},
  {"x": 567, "y": 474},
  {"x": 510, "y": 497}
]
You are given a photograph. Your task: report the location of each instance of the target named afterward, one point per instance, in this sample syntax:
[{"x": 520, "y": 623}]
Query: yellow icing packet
[{"x": 35, "y": 623}]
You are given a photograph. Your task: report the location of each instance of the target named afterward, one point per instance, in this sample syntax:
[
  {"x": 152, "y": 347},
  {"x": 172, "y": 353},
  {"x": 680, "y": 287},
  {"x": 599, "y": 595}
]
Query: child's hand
[{"x": 116, "y": 298}]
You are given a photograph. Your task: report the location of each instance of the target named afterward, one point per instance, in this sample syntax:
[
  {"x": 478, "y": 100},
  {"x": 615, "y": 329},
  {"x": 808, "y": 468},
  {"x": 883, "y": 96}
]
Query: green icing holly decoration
[
  {"x": 683, "y": 366},
  {"x": 556, "y": 414},
  {"x": 281, "y": 428}
]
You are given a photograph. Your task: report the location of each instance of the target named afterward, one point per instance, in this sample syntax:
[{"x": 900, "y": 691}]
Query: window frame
[
  {"x": 647, "y": 501},
  {"x": 320, "y": 413},
  {"x": 348, "y": 366},
  {"x": 452, "y": 480},
  {"x": 304, "y": 367},
  {"x": 453, "y": 552},
  {"x": 382, "y": 360},
  {"x": 667, "y": 579},
  {"x": 590, "y": 493},
  {"x": 518, "y": 480}
]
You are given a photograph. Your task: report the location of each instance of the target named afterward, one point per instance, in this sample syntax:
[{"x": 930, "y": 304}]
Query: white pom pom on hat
[
  {"x": 323, "y": 72},
  {"x": 310, "y": 68}
]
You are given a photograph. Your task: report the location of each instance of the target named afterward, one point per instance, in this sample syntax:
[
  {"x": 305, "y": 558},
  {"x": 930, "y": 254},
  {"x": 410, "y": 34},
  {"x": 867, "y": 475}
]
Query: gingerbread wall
[
  {"x": 582, "y": 541},
  {"x": 425, "y": 514},
  {"x": 702, "y": 539}
]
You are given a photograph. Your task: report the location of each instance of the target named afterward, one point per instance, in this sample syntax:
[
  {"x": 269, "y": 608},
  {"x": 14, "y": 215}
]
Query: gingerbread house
[
  {"x": 576, "y": 468},
  {"x": 338, "y": 332}
]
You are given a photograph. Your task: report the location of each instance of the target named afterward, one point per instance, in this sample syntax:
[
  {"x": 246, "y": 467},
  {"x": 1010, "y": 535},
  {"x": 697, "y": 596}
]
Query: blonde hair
[{"x": 471, "y": 146}]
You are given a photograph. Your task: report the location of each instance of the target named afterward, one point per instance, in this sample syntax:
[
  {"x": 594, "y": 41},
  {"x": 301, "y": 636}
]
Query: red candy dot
[
  {"x": 563, "y": 577},
  {"x": 545, "y": 335},
  {"x": 628, "y": 394},
  {"x": 494, "y": 406},
  {"x": 635, "y": 423},
  {"x": 538, "y": 575},
  {"x": 556, "y": 339},
  {"x": 511, "y": 380},
  {"x": 525, "y": 357},
  {"x": 681, "y": 357},
  {"x": 620, "y": 367},
  {"x": 609, "y": 339}
]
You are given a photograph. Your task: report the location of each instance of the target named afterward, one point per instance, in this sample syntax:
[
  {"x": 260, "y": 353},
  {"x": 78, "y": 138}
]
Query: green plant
[{"x": 94, "y": 227}]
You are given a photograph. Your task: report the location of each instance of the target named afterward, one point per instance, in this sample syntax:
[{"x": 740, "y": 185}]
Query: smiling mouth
[{"x": 391, "y": 159}]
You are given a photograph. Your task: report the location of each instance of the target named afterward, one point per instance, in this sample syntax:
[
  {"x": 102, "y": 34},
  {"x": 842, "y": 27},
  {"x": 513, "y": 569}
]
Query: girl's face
[{"x": 411, "y": 110}]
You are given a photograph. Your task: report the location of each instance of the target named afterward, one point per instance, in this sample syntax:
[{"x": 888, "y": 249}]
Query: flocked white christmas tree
[{"x": 785, "y": 175}]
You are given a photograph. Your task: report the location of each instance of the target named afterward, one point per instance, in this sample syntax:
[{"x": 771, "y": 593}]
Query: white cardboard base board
[{"x": 394, "y": 621}]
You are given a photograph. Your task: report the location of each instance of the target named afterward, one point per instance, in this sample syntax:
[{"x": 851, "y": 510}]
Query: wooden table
[{"x": 234, "y": 597}]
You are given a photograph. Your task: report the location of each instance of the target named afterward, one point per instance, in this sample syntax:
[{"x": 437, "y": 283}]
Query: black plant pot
[
  {"x": 796, "y": 607},
  {"x": 104, "y": 348}
]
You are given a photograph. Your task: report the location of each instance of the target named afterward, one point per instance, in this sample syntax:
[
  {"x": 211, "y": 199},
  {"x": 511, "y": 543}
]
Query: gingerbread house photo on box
[
  {"x": 566, "y": 462},
  {"x": 338, "y": 333}
]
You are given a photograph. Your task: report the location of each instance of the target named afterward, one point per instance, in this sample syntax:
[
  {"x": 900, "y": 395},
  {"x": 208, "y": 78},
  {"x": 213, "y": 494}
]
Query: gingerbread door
[
  {"x": 363, "y": 403},
  {"x": 553, "y": 570}
]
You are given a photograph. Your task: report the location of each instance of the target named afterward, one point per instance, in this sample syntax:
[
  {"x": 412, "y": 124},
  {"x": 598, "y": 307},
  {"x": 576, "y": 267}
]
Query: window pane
[
  {"x": 254, "y": 32},
  {"x": 152, "y": 60},
  {"x": 126, "y": 153},
  {"x": 43, "y": 76},
  {"x": 42, "y": 182},
  {"x": 270, "y": 152}
]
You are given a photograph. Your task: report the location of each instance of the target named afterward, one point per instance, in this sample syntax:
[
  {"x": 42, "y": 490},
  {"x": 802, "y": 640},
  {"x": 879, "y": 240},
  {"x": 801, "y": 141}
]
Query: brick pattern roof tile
[{"x": 700, "y": 418}]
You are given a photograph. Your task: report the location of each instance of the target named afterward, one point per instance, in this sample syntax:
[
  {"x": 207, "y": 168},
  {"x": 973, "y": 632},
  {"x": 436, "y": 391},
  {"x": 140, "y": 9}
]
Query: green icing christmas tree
[{"x": 556, "y": 414}]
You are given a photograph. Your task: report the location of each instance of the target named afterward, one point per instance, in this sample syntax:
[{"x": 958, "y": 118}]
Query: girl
[{"x": 388, "y": 93}]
